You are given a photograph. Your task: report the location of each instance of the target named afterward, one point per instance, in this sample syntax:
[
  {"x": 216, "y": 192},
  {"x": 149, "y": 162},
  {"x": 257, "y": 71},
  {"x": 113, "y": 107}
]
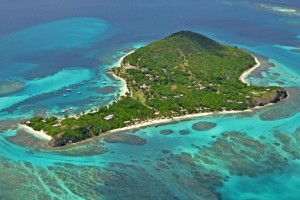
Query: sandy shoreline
[
  {"x": 155, "y": 122},
  {"x": 246, "y": 73},
  {"x": 124, "y": 88},
  {"x": 123, "y": 92},
  {"x": 38, "y": 134}
]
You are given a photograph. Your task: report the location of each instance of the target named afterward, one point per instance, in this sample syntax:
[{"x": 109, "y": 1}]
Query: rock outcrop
[
  {"x": 274, "y": 97},
  {"x": 57, "y": 142},
  {"x": 281, "y": 94}
]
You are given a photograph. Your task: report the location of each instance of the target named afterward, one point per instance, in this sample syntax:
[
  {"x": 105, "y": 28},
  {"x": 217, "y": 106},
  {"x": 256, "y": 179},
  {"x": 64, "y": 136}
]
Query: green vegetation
[
  {"x": 126, "y": 111},
  {"x": 182, "y": 74},
  {"x": 190, "y": 73}
]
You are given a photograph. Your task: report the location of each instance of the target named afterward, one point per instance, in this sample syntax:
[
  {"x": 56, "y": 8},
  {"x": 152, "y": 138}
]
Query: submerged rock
[
  {"x": 10, "y": 87},
  {"x": 203, "y": 126},
  {"x": 184, "y": 132},
  {"x": 126, "y": 139},
  {"x": 165, "y": 151},
  {"x": 57, "y": 142},
  {"x": 166, "y": 132}
]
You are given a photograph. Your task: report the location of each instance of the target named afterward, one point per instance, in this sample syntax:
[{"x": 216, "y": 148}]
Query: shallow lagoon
[{"x": 243, "y": 156}]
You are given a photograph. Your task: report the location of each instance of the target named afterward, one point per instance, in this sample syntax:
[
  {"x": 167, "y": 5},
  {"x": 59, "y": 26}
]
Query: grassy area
[{"x": 139, "y": 95}]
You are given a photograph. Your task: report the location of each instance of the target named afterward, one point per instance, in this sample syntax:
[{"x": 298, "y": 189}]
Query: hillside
[
  {"x": 188, "y": 72},
  {"x": 182, "y": 74}
]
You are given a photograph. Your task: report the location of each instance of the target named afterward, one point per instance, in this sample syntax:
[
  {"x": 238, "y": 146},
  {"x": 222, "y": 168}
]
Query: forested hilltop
[
  {"x": 182, "y": 74},
  {"x": 188, "y": 72}
]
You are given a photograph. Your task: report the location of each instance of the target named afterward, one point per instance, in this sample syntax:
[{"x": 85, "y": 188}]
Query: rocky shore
[{"x": 273, "y": 97}]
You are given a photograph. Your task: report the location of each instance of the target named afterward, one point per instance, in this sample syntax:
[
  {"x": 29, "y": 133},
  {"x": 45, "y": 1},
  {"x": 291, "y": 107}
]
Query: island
[{"x": 182, "y": 75}]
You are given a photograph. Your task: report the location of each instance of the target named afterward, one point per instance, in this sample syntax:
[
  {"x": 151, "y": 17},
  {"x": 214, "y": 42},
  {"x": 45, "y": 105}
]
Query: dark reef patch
[
  {"x": 126, "y": 139},
  {"x": 8, "y": 87},
  {"x": 166, "y": 132},
  {"x": 184, "y": 132},
  {"x": 203, "y": 126},
  {"x": 241, "y": 155},
  {"x": 165, "y": 151},
  {"x": 88, "y": 148},
  {"x": 103, "y": 90}
]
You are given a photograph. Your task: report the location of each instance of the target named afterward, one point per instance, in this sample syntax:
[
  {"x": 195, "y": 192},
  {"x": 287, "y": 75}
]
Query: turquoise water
[
  {"x": 51, "y": 58},
  {"x": 246, "y": 188},
  {"x": 58, "y": 46}
]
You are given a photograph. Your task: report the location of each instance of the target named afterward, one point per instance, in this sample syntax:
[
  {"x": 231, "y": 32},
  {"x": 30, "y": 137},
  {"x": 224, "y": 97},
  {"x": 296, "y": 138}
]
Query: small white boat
[
  {"x": 78, "y": 92},
  {"x": 64, "y": 95},
  {"x": 69, "y": 90},
  {"x": 104, "y": 82}
]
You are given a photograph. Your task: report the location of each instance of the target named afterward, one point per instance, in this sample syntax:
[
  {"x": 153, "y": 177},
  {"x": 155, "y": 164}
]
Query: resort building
[{"x": 109, "y": 117}]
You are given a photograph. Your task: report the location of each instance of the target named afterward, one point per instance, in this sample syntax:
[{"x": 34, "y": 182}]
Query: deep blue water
[{"x": 51, "y": 46}]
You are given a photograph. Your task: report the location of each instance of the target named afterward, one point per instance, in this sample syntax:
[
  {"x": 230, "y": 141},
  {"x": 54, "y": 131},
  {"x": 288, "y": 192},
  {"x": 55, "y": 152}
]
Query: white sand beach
[
  {"x": 155, "y": 122},
  {"x": 38, "y": 134},
  {"x": 124, "y": 89},
  {"x": 247, "y": 72}
]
